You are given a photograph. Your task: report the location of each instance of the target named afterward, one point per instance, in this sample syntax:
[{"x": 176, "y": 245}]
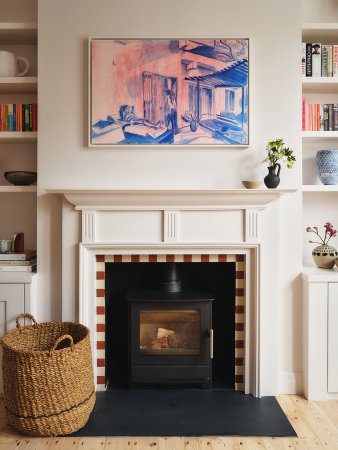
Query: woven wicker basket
[{"x": 48, "y": 391}]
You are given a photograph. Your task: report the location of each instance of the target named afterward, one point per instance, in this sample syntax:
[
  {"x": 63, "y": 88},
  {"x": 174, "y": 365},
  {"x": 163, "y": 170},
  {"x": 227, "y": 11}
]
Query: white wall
[{"x": 65, "y": 161}]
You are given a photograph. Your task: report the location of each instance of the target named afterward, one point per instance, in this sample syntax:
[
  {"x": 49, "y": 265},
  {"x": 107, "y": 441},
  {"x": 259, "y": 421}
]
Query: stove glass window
[{"x": 170, "y": 332}]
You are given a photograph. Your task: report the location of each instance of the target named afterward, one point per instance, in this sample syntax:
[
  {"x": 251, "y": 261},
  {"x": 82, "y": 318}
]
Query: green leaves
[{"x": 277, "y": 151}]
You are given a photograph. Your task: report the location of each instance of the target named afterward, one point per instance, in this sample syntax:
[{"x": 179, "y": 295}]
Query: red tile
[
  {"x": 240, "y": 292},
  {"x": 100, "y": 362},
  {"x": 222, "y": 258},
  {"x": 99, "y": 258},
  {"x": 239, "y": 379},
  {"x": 239, "y": 362},
  {"x": 204, "y": 258},
  {"x": 239, "y": 344},
  {"x": 100, "y": 292},
  {"x": 239, "y": 275},
  {"x": 118, "y": 258},
  {"x": 100, "y": 275},
  {"x": 170, "y": 258},
  {"x": 100, "y": 310},
  {"x": 100, "y": 345},
  {"x": 100, "y": 327},
  {"x": 240, "y": 258},
  {"x": 101, "y": 380},
  {"x": 135, "y": 258},
  {"x": 187, "y": 258},
  {"x": 152, "y": 258},
  {"x": 239, "y": 326}
]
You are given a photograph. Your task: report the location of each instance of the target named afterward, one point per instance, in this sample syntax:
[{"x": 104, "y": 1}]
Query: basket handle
[
  {"x": 21, "y": 316},
  {"x": 59, "y": 340}
]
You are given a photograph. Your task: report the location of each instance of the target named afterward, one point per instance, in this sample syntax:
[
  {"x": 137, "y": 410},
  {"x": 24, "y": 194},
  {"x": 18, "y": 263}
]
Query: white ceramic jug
[{"x": 9, "y": 65}]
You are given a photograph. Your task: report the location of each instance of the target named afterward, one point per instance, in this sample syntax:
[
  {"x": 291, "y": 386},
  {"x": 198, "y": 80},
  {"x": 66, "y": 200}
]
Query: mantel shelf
[{"x": 175, "y": 199}]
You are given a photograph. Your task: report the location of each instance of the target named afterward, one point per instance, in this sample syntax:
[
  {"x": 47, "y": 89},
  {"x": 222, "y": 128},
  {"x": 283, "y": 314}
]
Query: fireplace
[
  {"x": 127, "y": 226},
  {"x": 170, "y": 334}
]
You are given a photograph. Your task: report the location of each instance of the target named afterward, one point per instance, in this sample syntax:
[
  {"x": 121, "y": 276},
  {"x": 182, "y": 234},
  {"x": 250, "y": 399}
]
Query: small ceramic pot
[
  {"x": 327, "y": 166},
  {"x": 325, "y": 256}
]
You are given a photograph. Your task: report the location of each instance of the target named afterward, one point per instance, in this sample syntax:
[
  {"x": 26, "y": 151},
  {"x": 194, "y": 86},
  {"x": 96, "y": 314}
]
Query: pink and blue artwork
[{"x": 169, "y": 92}]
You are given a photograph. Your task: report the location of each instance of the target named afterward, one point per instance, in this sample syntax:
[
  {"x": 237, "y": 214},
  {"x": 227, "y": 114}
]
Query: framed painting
[{"x": 179, "y": 92}]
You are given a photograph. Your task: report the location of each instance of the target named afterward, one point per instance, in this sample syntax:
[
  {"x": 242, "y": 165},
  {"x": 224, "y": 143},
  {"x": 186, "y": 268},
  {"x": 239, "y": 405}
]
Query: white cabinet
[
  {"x": 320, "y": 333},
  {"x": 16, "y": 297}
]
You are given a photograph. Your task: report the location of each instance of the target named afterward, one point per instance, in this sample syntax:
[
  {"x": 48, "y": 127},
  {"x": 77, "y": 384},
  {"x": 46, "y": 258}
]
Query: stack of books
[
  {"x": 319, "y": 60},
  {"x": 18, "y": 117},
  {"x": 18, "y": 262},
  {"x": 319, "y": 117}
]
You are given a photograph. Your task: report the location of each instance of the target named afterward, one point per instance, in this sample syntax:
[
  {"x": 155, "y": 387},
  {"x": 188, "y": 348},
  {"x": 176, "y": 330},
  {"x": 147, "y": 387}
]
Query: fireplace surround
[{"x": 165, "y": 224}]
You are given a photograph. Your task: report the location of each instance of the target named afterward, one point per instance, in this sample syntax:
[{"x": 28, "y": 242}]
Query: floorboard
[{"x": 316, "y": 424}]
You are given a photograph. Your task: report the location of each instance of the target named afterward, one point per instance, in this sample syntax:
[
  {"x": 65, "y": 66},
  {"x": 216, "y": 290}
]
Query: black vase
[{"x": 272, "y": 179}]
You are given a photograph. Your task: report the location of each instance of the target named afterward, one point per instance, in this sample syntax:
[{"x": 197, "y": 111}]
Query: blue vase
[{"x": 327, "y": 166}]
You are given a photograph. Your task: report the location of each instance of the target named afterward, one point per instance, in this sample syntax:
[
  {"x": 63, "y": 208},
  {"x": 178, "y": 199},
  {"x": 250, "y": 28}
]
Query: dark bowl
[{"x": 20, "y": 177}]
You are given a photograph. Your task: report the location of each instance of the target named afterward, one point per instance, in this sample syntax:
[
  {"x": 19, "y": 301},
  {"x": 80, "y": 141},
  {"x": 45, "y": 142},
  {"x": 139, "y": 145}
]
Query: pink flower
[{"x": 329, "y": 233}]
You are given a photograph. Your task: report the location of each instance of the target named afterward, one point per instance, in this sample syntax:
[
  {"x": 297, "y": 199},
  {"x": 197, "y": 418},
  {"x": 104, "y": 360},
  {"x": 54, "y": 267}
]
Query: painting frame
[{"x": 207, "y": 121}]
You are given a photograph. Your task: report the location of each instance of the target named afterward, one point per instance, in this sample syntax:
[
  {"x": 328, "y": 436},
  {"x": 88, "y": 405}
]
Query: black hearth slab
[{"x": 185, "y": 413}]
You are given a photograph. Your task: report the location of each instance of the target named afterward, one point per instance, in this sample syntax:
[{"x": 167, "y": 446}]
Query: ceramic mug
[
  {"x": 9, "y": 65},
  {"x": 5, "y": 245}
]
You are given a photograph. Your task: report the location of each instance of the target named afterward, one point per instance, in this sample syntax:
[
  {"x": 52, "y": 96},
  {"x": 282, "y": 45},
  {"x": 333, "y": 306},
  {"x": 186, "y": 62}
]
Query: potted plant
[
  {"x": 324, "y": 255},
  {"x": 277, "y": 151},
  {"x": 192, "y": 119}
]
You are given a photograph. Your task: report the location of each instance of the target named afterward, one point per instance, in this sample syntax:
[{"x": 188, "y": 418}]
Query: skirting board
[{"x": 290, "y": 383}]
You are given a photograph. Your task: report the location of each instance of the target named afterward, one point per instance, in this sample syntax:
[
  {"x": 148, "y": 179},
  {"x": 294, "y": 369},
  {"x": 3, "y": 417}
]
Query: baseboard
[{"x": 291, "y": 383}]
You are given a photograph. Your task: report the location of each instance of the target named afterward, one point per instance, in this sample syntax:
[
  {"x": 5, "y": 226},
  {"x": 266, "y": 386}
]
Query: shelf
[
  {"x": 21, "y": 189},
  {"x": 316, "y": 275},
  {"x": 18, "y": 33},
  {"x": 319, "y": 135},
  {"x": 320, "y": 32},
  {"x": 320, "y": 188},
  {"x": 13, "y": 137},
  {"x": 18, "y": 85},
  {"x": 320, "y": 84}
]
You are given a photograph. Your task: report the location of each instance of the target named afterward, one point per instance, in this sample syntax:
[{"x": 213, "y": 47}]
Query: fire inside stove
[{"x": 170, "y": 332}]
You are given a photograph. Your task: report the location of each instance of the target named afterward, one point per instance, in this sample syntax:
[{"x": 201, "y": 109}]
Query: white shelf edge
[
  {"x": 21, "y": 189},
  {"x": 319, "y": 80},
  {"x": 320, "y": 134},
  {"x": 17, "y": 136},
  {"x": 18, "y": 33},
  {"x": 320, "y": 26},
  {"x": 18, "y": 26},
  {"x": 319, "y": 188}
]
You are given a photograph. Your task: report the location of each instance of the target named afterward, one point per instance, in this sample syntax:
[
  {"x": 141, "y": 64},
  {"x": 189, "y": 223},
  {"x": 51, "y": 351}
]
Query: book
[
  {"x": 326, "y": 117},
  {"x": 330, "y": 61},
  {"x": 28, "y": 254},
  {"x": 303, "y": 59},
  {"x": 324, "y": 60},
  {"x": 16, "y": 268},
  {"x": 335, "y": 61},
  {"x": 308, "y": 63},
  {"x": 335, "y": 117},
  {"x": 27, "y": 262},
  {"x": 331, "y": 125},
  {"x": 316, "y": 60}
]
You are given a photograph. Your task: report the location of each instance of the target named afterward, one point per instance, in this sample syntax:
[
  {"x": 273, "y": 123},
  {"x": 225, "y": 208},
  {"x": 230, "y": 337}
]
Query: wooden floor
[{"x": 316, "y": 424}]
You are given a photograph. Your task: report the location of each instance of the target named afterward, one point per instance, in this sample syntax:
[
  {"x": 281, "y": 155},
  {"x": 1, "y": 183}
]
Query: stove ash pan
[{"x": 170, "y": 336}]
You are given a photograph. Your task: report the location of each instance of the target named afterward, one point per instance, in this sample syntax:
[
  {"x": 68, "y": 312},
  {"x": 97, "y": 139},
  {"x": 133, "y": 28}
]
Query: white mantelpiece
[{"x": 163, "y": 222}]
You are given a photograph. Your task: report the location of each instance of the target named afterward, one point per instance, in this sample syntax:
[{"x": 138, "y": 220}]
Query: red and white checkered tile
[{"x": 101, "y": 260}]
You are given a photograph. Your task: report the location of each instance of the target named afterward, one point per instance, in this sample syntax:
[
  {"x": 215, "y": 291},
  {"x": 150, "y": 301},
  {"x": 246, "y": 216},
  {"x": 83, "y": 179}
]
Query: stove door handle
[{"x": 211, "y": 334}]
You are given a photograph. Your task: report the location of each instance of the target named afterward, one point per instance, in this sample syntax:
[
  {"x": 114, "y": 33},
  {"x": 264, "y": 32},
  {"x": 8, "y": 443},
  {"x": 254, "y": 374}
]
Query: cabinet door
[
  {"x": 332, "y": 365},
  {"x": 12, "y": 303}
]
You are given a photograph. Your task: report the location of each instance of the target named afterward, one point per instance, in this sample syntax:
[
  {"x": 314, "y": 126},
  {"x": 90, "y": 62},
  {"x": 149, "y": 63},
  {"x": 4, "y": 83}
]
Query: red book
[{"x": 35, "y": 116}]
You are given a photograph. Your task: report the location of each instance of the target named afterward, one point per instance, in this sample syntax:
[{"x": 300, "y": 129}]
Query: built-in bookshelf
[
  {"x": 318, "y": 200},
  {"x": 18, "y": 149}
]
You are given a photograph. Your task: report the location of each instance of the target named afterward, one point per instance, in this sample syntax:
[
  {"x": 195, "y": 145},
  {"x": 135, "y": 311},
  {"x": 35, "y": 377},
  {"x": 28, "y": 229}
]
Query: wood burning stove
[{"x": 171, "y": 336}]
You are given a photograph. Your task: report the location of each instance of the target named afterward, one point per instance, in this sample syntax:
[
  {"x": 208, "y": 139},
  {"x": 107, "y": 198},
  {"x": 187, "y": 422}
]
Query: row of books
[
  {"x": 319, "y": 117},
  {"x": 18, "y": 261},
  {"x": 319, "y": 60},
  {"x": 18, "y": 117}
]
